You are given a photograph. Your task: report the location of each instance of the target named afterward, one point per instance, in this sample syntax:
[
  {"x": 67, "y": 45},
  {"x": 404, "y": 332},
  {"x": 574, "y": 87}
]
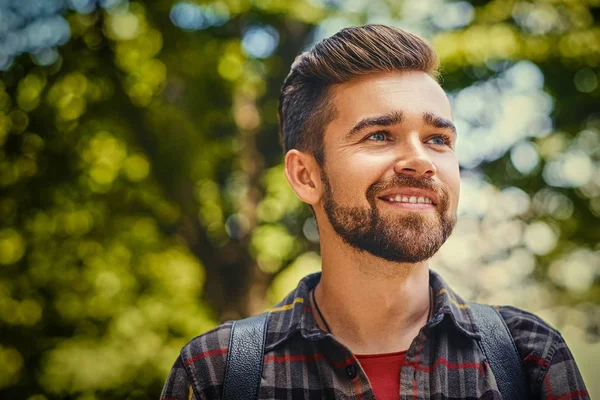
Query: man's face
[{"x": 391, "y": 178}]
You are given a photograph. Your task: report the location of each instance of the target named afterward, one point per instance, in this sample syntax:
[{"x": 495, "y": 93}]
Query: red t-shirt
[{"x": 383, "y": 371}]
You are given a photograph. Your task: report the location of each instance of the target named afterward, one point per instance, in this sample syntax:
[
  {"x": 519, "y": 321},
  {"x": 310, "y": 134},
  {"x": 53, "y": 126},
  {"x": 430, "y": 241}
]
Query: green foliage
[{"x": 142, "y": 195}]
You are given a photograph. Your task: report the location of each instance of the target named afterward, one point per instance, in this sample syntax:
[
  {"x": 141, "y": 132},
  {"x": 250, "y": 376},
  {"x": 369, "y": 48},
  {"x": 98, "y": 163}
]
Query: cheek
[
  {"x": 352, "y": 175},
  {"x": 450, "y": 177}
]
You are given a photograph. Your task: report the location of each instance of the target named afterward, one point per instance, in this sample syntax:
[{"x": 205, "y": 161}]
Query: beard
[{"x": 405, "y": 237}]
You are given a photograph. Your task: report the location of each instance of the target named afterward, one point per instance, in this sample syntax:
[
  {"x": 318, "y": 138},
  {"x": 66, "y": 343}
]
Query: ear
[{"x": 304, "y": 175}]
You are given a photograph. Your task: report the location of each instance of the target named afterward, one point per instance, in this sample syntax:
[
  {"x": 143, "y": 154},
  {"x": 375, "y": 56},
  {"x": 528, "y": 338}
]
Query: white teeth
[{"x": 411, "y": 199}]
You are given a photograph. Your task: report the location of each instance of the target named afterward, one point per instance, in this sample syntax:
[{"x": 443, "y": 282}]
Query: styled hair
[{"x": 305, "y": 106}]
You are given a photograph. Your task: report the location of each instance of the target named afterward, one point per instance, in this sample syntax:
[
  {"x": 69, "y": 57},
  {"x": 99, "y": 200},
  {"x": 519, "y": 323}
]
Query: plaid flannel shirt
[{"x": 444, "y": 361}]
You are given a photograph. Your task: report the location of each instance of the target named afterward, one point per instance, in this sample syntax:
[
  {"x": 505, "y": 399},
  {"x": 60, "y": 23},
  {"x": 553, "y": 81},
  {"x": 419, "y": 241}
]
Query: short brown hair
[{"x": 304, "y": 109}]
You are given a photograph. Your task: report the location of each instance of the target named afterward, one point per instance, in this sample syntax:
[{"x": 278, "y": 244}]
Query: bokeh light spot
[
  {"x": 45, "y": 56},
  {"x": 514, "y": 201},
  {"x": 310, "y": 230},
  {"x": 190, "y": 16},
  {"x": 453, "y": 15},
  {"x": 260, "y": 42},
  {"x": 287, "y": 280},
  {"x": 12, "y": 246},
  {"x": 187, "y": 16},
  {"x": 524, "y": 157},
  {"x": 124, "y": 26},
  {"x": 540, "y": 238},
  {"x": 136, "y": 167},
  {"x": 272, "y": 244},
  {"x": 585, "y": 80},
  {"x": 230, "y": 66},
  {"x": 550, "y": 202},
  {"x": 11, "y": 363},
  {"x": 30, "y": 312},
  {"x": 571, "y": 169},
  {"x": 20, "y": 121},
  {"x": 83, "y": 6},
  {"x": 577, "y": 271}
]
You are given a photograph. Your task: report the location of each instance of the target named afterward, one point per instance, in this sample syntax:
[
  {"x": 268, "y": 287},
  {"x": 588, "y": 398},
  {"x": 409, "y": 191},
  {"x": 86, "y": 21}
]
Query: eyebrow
[
  {"x": 438, "y": 122},
  {"x": 396, "y": 117},
  {"x": 392, "y": 118}
]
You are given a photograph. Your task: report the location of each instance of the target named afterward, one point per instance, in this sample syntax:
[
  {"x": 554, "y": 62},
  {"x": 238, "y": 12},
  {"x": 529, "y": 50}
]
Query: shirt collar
[
  {"x": 294, "y": 313},
  {"x": 451, "y": 305}
]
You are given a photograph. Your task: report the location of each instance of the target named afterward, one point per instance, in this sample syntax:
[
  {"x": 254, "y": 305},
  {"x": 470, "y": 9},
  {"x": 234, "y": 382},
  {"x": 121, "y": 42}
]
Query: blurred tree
[{"x": 142, "y": 196}]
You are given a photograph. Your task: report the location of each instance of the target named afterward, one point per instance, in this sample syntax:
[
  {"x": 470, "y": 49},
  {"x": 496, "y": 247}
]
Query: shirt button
[{"x": 351, "y": 371}]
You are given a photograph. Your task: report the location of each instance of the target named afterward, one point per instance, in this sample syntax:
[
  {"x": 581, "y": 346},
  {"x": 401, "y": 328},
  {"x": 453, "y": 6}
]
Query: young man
[{"x": 369, "y": 144}]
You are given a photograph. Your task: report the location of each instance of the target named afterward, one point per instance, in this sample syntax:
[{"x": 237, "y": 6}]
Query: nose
[{"x": 413, "y": 160}]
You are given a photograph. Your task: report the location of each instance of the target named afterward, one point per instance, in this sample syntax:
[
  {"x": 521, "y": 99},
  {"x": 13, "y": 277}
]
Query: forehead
[{"x": 410, "y": 92}]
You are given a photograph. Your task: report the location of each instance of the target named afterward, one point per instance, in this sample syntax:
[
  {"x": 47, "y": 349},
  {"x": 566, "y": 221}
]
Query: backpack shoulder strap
[
  {"x": 501, "y": 352},
  {"x": 245, "y": 358}
]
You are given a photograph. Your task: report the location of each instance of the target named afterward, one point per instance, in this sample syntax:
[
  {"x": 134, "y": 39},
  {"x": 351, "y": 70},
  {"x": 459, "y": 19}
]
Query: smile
[{"x": 409, "y": 199}]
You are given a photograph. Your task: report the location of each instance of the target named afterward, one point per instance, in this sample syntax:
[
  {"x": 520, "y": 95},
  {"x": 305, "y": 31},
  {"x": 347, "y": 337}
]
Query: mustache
[{"x": 399, "y": 181}]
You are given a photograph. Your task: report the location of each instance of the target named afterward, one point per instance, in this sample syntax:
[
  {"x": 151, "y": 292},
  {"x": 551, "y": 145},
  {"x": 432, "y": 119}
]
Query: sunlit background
[{"x": 142, "y": 196}]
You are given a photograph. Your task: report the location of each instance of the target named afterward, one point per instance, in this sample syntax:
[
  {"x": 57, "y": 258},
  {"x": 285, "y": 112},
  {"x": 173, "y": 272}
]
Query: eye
[
  {"x": 377, "y": 137},
  {"x": 439, "y": 140}
]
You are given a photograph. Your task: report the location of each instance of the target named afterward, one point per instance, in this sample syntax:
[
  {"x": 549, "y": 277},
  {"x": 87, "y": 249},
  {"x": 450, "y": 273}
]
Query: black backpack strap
[
  {"x": 501, "y": 352},
  {"x": 245, "y": 358}
]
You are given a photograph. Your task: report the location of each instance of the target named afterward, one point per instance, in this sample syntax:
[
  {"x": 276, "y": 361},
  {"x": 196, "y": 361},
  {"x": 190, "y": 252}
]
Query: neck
[{"x": 371, "y": 305}]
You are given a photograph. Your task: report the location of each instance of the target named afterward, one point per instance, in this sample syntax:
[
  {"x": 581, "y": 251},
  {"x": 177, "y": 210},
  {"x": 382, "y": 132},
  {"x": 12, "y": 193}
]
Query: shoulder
[
  {"x": 541, "y": 347},
  {"x": 209, "y": 346},
  {"x": 529, "y": 329},
  {"x": 536, "y": 339},
  {"x": 201, "y": 363}
]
